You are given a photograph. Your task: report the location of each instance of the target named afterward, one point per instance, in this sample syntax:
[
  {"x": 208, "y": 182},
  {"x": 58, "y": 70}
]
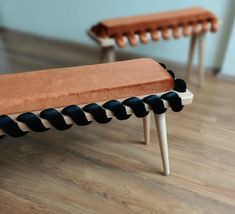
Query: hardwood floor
[{"x": 107, "y": 168}]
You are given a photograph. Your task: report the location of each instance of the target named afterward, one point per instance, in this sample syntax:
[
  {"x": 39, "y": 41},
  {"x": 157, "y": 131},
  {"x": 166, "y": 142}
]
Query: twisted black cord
[
  {"x": 137, "y": 106},
  {"x": 97, "y": 112},
  {"x": 32, "y": 121},
  {"x": 156, "y": 104},
  {"x": 55, "y": 118},
  {"x": 77, "y": 115},
  {"x": 174, "y": 100},
  {"x": 10, "y": 127},
  {"x": 117, "y": 108}
]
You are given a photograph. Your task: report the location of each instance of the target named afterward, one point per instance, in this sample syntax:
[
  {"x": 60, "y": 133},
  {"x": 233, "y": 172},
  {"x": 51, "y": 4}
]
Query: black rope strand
[
  {"x": 10, "y": 127},
  {"x": 156, "y": 104},
  {"x": 117, "y": 108},
  {"x": 180, "y": 85},
  {"x": 97, "y": 112},
  {"x": 137, "y": 106},
  {"x": 162, "y": 64},
  {"x": 55, "y": 118},
  {"x": 77, "y": 115},
  {"x": 171, "y": 73},
  {"x": 174, "y": 101},
  {"x": 32, "y": 121}
]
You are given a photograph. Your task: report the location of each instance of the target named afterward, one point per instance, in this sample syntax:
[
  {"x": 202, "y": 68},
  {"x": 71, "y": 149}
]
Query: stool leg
[
  {"x": 146, "y": 124},
  {"x": 190, "y": 57},
  {"x": 108, "y": 54},
  {"x": 160, "y": 120},
  {"x": 201, "y": 58}
]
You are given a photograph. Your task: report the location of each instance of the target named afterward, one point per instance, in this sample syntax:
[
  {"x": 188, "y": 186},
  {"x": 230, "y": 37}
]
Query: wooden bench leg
[
  {"x": 190, "y": 57},
  {"x": 108, "y": 54},
  {"x": 201, "y": 58},
  {"x": 160, "y": 120},
  {"x": 146, "y": 125}
]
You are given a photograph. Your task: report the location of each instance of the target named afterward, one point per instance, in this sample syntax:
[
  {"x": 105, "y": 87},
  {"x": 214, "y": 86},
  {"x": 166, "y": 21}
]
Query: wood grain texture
[{"x": 107, "y": 168}]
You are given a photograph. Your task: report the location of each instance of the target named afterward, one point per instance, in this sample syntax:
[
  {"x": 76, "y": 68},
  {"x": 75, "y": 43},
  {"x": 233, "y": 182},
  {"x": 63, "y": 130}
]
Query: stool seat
[
  {"x": 129, "y": 27},
  {"x": 55, "y": 88}
]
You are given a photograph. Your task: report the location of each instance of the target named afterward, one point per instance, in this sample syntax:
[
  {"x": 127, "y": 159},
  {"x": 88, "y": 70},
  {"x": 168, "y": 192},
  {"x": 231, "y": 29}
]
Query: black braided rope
[{"x": 56, "y": 119}]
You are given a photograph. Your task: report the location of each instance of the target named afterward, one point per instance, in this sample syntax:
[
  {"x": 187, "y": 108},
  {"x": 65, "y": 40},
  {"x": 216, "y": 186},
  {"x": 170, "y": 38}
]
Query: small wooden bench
[
  {"x": 61, "y": 97},
  {"x": 194, "y": 22}
]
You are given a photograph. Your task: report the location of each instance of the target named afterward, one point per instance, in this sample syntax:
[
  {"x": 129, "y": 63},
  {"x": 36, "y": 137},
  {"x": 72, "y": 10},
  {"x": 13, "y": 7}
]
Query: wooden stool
[
  {"x": 194, "y": 22},
  {"x": 49, "y": 98}
]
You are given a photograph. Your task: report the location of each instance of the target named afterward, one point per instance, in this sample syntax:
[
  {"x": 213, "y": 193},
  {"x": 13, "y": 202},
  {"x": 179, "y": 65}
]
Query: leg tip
[{"x": 166, "y": 173}]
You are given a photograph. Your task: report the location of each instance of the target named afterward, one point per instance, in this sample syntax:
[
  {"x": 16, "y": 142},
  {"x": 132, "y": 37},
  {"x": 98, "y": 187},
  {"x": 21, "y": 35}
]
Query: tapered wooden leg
[
  {"x": 201, "y": 58},
  {"x": 146, "y": 125},
  {"x": 190, "y": 57},
  {"x": 160, "y": 120},
  {"x": 108, "y": 54}
]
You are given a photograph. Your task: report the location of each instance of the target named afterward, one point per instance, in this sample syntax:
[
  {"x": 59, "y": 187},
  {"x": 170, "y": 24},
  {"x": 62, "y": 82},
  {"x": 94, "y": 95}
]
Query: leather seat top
[{"x": 55, "y": 88}]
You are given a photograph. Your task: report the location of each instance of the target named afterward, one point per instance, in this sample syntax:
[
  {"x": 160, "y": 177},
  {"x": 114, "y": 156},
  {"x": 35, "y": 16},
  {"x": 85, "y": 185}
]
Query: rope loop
[
  {"x": 156, "y": 104},
  {"x": 10, "y": 127},
  {"x": 117, "y": 108},
  {"x": 77, "y": 115},
  {"x": 55, "y": 118},
  {"x": 32, "y": 121},
  {"x": 174, "y": 101},
  {"x": 137, "y": 105},
  {"x": 97, "y": 112}
]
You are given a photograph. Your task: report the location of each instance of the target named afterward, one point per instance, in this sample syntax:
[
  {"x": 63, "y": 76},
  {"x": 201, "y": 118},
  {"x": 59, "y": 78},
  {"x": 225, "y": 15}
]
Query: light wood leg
[
  {"x": 201, "y": 58},
  {"x": 190, "y": 57},
  {"x": 108, "y": 54},
  {"x": 146, "y": 125},
  {"x": 160, "y": 120}
]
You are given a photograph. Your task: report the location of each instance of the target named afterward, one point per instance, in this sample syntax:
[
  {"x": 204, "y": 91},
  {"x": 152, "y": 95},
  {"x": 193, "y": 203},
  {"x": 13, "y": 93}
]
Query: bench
[
  {"x": 59, "y": 98},
  {"x": 194, "y": 22}
]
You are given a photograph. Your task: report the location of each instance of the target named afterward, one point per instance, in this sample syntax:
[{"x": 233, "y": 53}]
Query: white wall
[{"x": 70, "y": 20}]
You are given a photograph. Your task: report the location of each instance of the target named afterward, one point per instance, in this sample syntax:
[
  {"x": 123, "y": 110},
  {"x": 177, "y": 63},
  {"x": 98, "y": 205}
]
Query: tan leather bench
[
  {"x": 60, "y": 97},
  {"x": 194, "y": 22}
]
